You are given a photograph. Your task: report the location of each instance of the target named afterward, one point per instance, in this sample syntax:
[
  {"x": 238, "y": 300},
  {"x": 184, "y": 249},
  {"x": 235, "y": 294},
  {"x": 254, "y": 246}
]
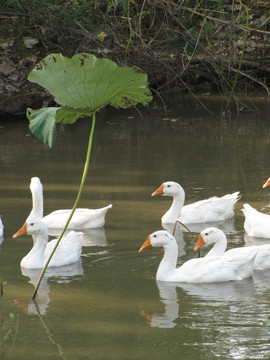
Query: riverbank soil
[{"x": 195, "y": 47}]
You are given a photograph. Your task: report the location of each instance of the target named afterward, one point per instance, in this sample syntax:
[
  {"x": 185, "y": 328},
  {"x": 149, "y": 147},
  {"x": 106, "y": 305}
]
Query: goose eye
[
  {"x": 206, "y": 234},
  {"x": 155, "y": 235},
  {"x": 32, "y": 224}
]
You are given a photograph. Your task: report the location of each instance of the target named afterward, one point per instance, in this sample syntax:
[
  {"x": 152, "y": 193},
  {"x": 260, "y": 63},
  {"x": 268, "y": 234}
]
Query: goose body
[
  {"x": 82, "y": 218},
  {"x": 256, "y": 223},
  {"x": 199, "y": 270},
  {"x": 213, "y": 209},
  {"x": 218, "y": 238},
  {"x": 68, "y": 251}
]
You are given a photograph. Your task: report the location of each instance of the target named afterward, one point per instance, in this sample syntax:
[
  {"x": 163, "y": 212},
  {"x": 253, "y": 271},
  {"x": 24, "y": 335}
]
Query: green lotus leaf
[
  {"x": 87, "y": 82},
  {"x": 70, "y": 116},
  {"x": 43, "y": 121},
  {"x": 42, "y": 124},
  {"x": 83, "y": 85}
]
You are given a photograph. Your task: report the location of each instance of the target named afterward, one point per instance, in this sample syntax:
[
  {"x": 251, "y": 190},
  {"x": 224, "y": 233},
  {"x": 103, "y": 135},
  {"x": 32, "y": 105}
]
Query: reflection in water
[
  {"x": 229, "y": 305},
  {"x": 168, "y": 297},
  {"x": 236, "y": 312},
  {"x": 95, "y": 237},
  {"x": 226, "y": 226},
  {"x": 233, "y": 290},
  {"x": 1, "y": 231},
  {"x": 262, "y": 279},
  {"x": 61, "y": 274},
  {"x": 251, "y": 240},
  {"x": 229, "y": 291},
  {"x": 238, "y": 308},
  {"x": 91, "y": 237}
]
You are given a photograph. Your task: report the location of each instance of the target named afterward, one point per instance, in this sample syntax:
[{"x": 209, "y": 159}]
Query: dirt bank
[{"x": 221, "y": 49}]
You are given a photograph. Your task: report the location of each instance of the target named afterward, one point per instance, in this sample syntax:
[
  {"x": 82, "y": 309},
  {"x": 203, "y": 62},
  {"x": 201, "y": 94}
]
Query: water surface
[{"x": 109, "y": 306}]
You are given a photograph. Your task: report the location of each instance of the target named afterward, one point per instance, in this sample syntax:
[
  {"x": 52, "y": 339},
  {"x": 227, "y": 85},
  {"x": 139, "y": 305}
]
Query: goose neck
[
  {"x": 37, "y": 204},
  {"x": 174, "y": 211},
  {"x": 219, "y": 247},
  {"x": 35, "y": 257},
  {"x": 168, "y": 263}
]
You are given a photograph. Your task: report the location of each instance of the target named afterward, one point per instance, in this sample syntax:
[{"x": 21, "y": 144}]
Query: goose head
[
  {"x": 169, "y": 188},
  {"x": 35, "y": 227},
  {"x": 160, "y": 238},
  {"x": 209, "y": 236},
  {"x": 36, "y": 189},
  {"x": 35, "y": 184}
]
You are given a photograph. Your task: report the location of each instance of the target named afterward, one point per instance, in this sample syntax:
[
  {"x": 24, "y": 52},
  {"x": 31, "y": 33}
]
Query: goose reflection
[
  {"x": 262, "y": 280},
  {"x": 91, "y": 237},
  {"x": 226, "y": 226},
  {"x": 252, "y": 240},
  {"x": 168, "y": 297},
  {"x": 61, "y": 274},
  {"x": 95, "y": 237},
  {"x": 214, "y": 292},
  {"x": 1, "y": 231},
  {"x": 223, "y": 291}
]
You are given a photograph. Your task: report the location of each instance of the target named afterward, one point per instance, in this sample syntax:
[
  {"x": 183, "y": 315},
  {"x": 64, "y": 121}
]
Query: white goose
[
  {"x": 218, "y": 238},
  {"x": 199, "y": 270},
  {"x": 68, "y": 251},
  {"x": 210, "y": 210},
  {"x": 82, "y": 218},
  {"x": 256, "y": 223}
]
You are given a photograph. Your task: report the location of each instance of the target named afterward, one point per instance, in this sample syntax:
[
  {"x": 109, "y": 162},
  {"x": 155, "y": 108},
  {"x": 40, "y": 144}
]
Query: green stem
[
  {"x": 177, "y": 221},
  {"x": 86, "y": 165},
  {"x": 48, "y": 332}
]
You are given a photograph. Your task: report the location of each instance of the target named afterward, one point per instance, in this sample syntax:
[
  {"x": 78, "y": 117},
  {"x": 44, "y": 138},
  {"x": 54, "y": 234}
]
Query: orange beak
[
  {"x": 22, "y": 231},
  {"x": 147, "y": 244},
  {"x": 159, "y": 191},
  {"x": 147, "y": 316},
  {"x": 267, "y": 183},
  {"x": 199, "y": 243}
]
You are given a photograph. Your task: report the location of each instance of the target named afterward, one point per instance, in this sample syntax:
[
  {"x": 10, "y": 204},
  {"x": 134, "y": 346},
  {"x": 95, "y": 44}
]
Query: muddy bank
[
  {"x": 219, "y": 49},
  {"x": 16, "y": 92}
]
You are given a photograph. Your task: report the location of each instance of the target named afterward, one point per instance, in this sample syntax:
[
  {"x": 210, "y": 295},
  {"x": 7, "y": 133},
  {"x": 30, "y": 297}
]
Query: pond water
[{"x": 109, "y": 306}]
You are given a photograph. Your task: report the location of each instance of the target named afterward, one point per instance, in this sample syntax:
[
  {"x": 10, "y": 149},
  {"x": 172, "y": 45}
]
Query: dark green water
[{"x": 109, "y": 306}]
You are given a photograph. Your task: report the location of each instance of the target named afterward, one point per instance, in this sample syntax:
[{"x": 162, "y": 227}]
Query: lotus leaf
[
  {"x": 83, "y": 85},
  {"x": 86, "y": 82}
]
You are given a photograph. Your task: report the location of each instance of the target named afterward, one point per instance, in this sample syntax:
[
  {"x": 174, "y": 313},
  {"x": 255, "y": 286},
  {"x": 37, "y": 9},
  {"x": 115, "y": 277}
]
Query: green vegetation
[{"x": 188, "y": 45}]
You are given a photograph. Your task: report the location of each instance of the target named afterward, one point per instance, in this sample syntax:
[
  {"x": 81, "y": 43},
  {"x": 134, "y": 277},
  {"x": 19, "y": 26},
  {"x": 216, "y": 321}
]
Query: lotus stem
[
  {"x": 177, "y": 221},
  {"x": 86, "y": 165},
  {"x": 48, "y": 332}
]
